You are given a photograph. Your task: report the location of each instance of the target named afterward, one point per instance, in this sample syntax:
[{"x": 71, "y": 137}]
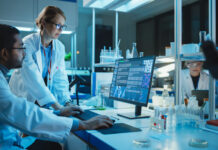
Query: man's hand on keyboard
[
  {"x": 97, "y": 122},
  {"x": 70, "y": 110}
]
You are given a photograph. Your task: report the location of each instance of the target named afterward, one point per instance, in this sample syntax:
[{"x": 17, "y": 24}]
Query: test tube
[{"x": 202, "y": 36}]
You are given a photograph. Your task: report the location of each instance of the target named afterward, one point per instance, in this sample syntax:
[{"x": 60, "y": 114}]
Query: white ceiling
[{"x": 152, "y": 9}]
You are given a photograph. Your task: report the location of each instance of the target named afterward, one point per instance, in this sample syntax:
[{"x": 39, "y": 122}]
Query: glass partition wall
[{"x": 198, "y": 23}]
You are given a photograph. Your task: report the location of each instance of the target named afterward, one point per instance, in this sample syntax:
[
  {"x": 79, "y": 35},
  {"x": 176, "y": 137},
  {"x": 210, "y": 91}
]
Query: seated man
[
  {"x": 18, "y": 113},
  {"x": 194, "y": 78}
]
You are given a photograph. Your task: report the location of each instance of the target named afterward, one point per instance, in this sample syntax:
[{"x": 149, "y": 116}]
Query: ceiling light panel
[
  {"x": 98, "y": 3},
  {"x": 101, "y": 3},
  {"x": 133, "y": 4}
]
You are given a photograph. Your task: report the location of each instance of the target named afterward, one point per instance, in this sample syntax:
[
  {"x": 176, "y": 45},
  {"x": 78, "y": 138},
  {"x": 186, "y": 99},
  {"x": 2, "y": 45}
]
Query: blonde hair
[{"x": 47, "y": 14}]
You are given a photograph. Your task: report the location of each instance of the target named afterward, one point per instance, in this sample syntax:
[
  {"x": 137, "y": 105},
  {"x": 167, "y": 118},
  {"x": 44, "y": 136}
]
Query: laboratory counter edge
[{"x": 177, "y": 140}]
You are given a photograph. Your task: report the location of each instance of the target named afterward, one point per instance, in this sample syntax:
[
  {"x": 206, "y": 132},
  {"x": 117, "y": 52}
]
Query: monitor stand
[{"x": 137, "y": 115}]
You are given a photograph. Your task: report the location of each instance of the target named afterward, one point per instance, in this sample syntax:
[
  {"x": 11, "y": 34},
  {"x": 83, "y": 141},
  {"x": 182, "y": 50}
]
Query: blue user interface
[{"x": 131, "y": 80}]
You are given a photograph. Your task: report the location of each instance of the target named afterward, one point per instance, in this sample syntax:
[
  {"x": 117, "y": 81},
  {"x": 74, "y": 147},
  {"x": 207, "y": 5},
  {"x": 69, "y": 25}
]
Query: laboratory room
[{"x": 108, "y": 74}]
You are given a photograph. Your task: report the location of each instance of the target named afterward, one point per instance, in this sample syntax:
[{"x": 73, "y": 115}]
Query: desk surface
[{"x": 166, "y": 140}]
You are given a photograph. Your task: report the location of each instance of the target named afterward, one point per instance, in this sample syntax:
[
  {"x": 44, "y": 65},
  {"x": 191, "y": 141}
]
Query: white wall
[
  {"x": 17, "y": 12},
  {"x": 83, "y": 58},
  {"x": 24, "y": 12}
]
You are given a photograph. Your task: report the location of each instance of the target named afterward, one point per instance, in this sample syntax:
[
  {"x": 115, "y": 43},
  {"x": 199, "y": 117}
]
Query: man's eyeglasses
[
  {"x": 19, "y": 48},
  {"x": 59, "y": 26}
]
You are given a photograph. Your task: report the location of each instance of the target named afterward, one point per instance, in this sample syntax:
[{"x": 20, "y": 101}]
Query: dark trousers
[{"x": 44, "y": 145}]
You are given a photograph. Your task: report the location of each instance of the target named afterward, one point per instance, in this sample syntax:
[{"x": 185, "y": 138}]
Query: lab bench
[{"x": 173, "y": 140}]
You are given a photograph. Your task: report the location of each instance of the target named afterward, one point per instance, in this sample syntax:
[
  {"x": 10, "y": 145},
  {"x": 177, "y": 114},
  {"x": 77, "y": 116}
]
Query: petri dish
[
  {"x": 200, "y": 143},
  {"x": 144, "y": 142}
]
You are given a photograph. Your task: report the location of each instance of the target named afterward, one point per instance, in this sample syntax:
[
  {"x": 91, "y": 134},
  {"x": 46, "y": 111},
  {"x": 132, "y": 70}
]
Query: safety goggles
[{"x": 194, "y": 64}]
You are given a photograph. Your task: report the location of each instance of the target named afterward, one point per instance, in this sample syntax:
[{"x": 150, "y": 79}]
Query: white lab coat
[
  {"x": 18, "y": 113},
  {"x": 28, "y": 81},
  {"x": 187, "y": 83}
]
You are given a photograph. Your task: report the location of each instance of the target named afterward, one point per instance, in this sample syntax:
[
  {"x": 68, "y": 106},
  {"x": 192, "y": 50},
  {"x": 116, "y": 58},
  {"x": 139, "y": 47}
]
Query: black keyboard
[
  {"x": 86, "y": 115},
  {"x": 116, "y": 128}
]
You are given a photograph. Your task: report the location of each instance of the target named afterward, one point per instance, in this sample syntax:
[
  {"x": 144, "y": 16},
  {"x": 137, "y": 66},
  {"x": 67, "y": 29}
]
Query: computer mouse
[{"x": 112, "y": 119}]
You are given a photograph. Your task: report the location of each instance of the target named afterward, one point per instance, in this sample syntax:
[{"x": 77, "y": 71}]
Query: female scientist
[
  {"x": 194, "y": 78},
  {"x": 42, "y": 78}
]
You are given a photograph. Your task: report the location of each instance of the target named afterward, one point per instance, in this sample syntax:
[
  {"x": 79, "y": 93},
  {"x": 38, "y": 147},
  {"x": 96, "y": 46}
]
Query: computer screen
[{"x": 131, "y": 80}]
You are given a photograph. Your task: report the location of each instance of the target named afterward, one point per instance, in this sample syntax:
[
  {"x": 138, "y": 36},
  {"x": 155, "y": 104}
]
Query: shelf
[
  {"x": 71, "y": 71},
  {"x": 184, "y": 57},
  {"x": 159, "y": 59},
  {"x": 111, "y": 64},
  {"x": 165, "y": 59}
]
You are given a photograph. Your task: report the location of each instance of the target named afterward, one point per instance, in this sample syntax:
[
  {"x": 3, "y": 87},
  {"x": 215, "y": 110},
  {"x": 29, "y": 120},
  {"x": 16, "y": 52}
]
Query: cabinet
[
  {"x": 23, "y": 13},
  {"x": 17, "y": 13}
]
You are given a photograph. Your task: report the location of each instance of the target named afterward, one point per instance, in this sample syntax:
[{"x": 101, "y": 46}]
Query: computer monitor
[{"x": 131, "y": 83}]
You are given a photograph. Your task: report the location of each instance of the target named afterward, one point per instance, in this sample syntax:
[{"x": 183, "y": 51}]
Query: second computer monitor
[{"x": 131, "y": 81}]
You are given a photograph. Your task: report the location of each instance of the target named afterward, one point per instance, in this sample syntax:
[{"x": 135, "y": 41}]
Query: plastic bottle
[
  {"x": 171, "y": 120},
  {"x": 134, "y": 51},
  {"x": 202, "y": 37},
  {"x": 105, "y": 51},
  {"x": 120, "y": 53},
  {"x": 165, "y": 92},
  {"x": 110, "y": 53},
  {"x": 128, "y": 55},
  {"x": 101, "y": 54}
]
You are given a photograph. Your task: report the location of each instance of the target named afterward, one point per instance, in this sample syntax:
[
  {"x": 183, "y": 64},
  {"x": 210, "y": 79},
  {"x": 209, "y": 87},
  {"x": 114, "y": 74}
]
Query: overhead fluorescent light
[
  {"x": 166, "y": 68},
  {"x": 101, "y": 3},
  {"x": 24, "y": 29},
  {"x": 66, "y": 32},
  {"x": 165, "y": 60},
  {"x": 163, "y": 75},
  {"x": 87, "y": 2},
  {"x": 132, "y": 4}
]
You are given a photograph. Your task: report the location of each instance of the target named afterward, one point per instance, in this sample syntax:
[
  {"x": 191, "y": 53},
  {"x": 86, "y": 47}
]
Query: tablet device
[{"x": 200, "y": 95}]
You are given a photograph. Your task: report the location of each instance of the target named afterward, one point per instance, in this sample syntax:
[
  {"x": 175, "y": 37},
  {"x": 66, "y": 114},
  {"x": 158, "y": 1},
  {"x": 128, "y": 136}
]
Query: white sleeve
[
  {"x": 31, "y": 119},
  {"x": 60, "y": 85},
  {"x": 32, "y": 78}
]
